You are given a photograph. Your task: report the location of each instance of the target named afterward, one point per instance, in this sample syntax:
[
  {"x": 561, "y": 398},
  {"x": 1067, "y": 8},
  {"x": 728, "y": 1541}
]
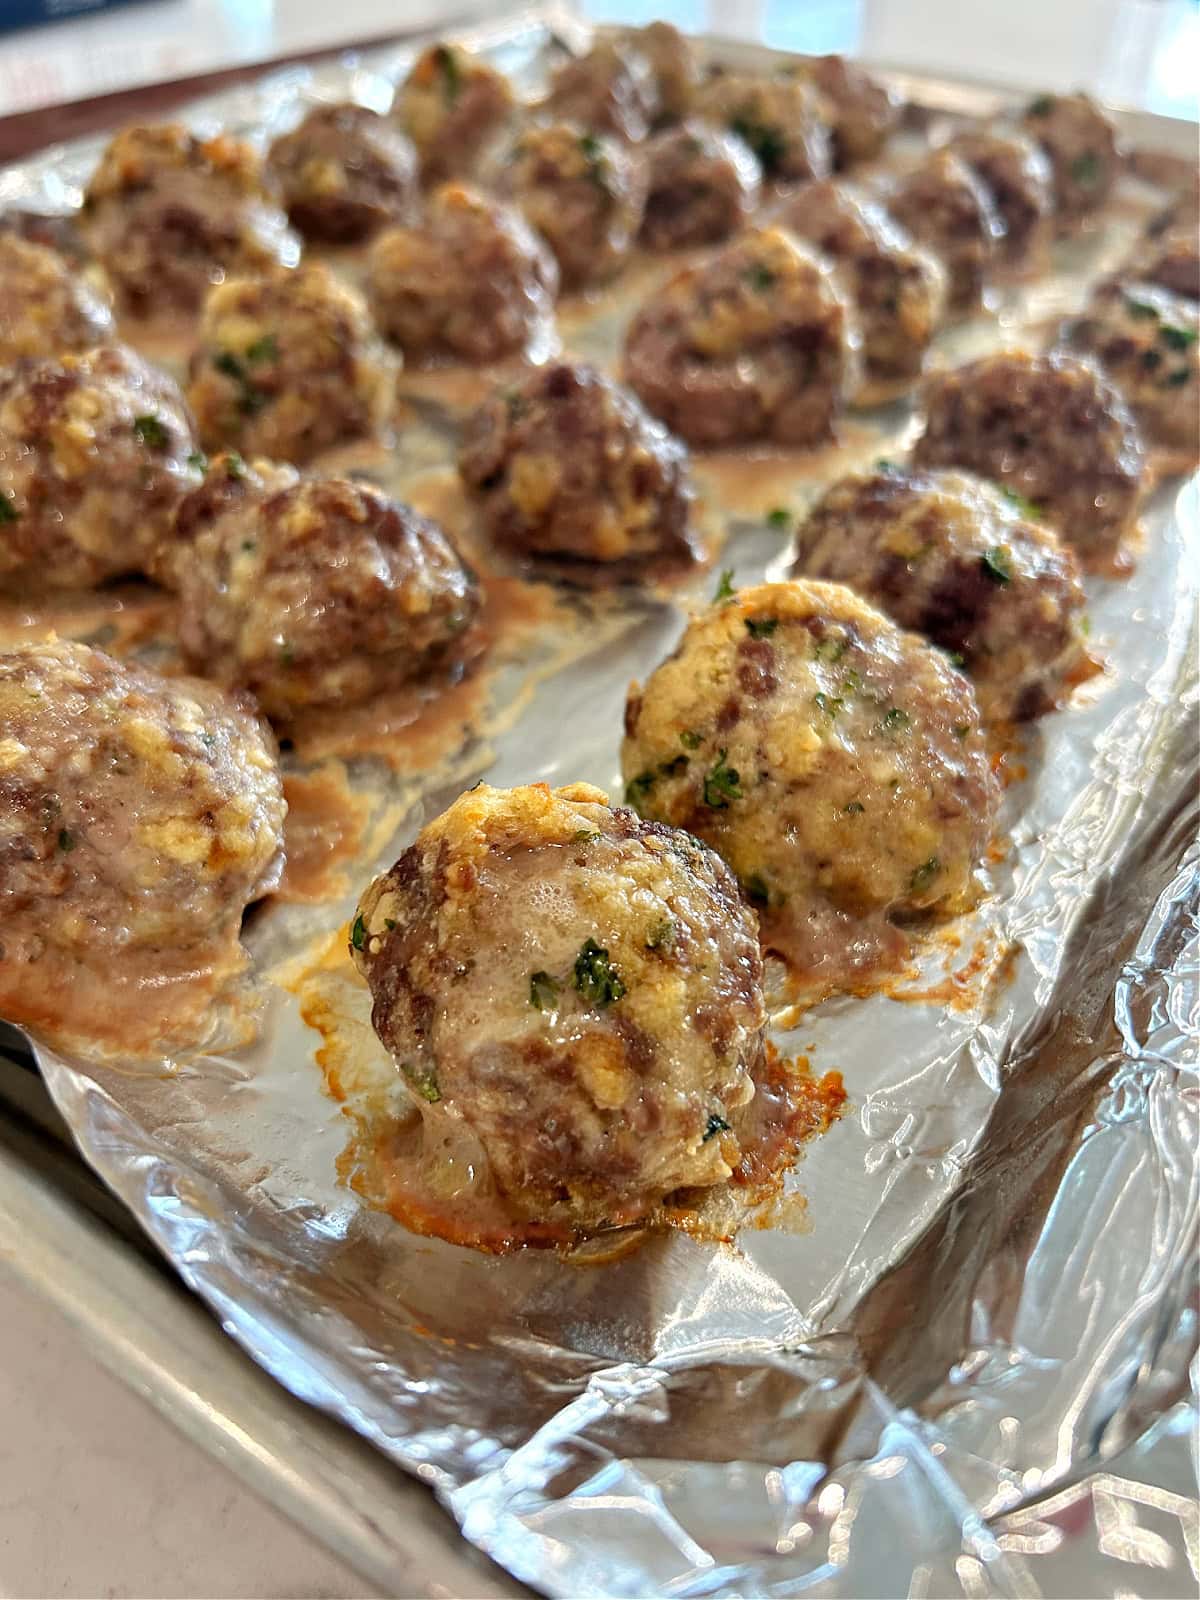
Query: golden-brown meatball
[
  {"x": 864, "y": 110},
  {"x": 780, "y": 119},
  {"x": 1146, "y": 341},
  {"x": 758, "y": 343},
  {"x": 834, "y": 762},
  {"x": 572, "y": 993},
  {"x": 96, "y": 451},
  {"x": 46, "y": 306},
  {"x": 955, "y": 558},
  {"x": 139, "y": 816},
  {"x": 313, "y": 591},
  {"x": 1017, "y": 176},
  {"x": 287, "y": 366},
  {"x": 702, "y": 185},
  {"x": 584, "y": 193},
  {"x": 673, "y": 64},
  {"x": 568, "y": 467},
  {"x": 344, "y": 173},
  {"x": 1054, "y": 431},
  {"x": 610, "y": 90},
  {"x": 1082, "y": 146},
  {"x": 472, "y": 284},
  {"x": 899, "y": 291},
  {"x": 946, "y": 208},
  {"x": 452, "y": 106},
  {"x": 169, "y": 215}
]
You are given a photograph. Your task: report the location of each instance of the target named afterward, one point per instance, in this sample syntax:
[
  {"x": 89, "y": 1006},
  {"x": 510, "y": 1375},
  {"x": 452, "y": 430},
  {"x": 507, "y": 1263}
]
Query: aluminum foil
[{"x": 966, "y": 1369}]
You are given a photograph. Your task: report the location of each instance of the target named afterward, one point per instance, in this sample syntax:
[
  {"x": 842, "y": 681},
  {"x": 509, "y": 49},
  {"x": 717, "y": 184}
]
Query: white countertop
[{"x": 98, "y": 1496}]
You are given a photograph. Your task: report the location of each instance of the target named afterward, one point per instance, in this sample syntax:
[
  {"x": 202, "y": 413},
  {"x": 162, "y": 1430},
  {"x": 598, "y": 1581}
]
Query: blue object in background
[{"x": 29, "y": 13}]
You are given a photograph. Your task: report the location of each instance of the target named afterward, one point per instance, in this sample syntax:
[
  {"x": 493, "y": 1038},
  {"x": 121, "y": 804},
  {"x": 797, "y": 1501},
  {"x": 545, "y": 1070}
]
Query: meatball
[
  {"x": 953, "y": 557},
  {"x": 864, "y": 110},
  {"x": 313, "y": 592},
  {"x": 703, "y": 184},
  {"x": 946, "y": 207},
  {"x": 1169, "y": 251},
  {"x": 584, "y": 194},
  {"x": 288, "y": 366},
  {"x": 139, "y": 816},
  {"x": 473, "y": 284},
  {"x": 96, "y": 451},
  {"x": 1017, "y": 176},
  {"x": 612, "y": 90},
  {"x": 758, "y": 343},
  {"x": 1081, "y": 143},
  {"x": 899, "y": 291},
  {"x": 46, "y": 307},
  {"x": 672, "y": 62},
  {"x": 1145, "y": 340},
  {"x": 779, "y": 118},
  {"x": 452, "y": 106},
  {"x": 344, "y": 173},
  {"x": 569, "y": 467},
  {"x": 576, "y": 991},
  {"x": 1051, "y": 429},
  {"x": 833, "y": 761},
  {"x": 169, "y": 215}
]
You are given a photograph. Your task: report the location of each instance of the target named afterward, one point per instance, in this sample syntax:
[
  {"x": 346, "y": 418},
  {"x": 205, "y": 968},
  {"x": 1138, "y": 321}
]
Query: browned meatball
[
  {"x": 1016, "y": 174},
  {"x": 612, "y": 90},
  {"x": 472, "y": 284},
  {"x": 46, "y": 306},
  {"x": 779, "y": 118},
  {"x": 452, "y": 106},
  {"x": 1082, "y": 146},
  {"x": 344, "y": 173},
  {"x": 703, "y": 185},
  {"x": 834, "y": 762},
  {"x": 1053, "y": 430},
  {"x": 758, "y": 343},
  {"x": 583, "y": 193},
  {"x": 1169, "y": 251},
  {"x": 673, "y": 64},
  {"x": 96, "y": 451},
  {"x": 899, "y": 291},
  {"x": 568, "y": 467},
  {"x": 954, "y": 558},
  {"x": 169, "y": 215},
  {"x": 865, "y": 111},
  {"x": 571, "y": 993},
  {"x": 287, "y": 366},
  {"x": 138, "y": 817},
  {"x": 945, "y": 207},
  {"x": 1146, "y": 340},
  {"x": 313, "y": 592}
]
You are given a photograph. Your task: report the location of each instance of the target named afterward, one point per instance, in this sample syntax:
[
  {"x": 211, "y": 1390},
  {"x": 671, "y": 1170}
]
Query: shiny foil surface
[{"x": 963, "y": 1366}]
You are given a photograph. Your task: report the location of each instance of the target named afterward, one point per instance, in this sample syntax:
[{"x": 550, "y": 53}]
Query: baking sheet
[{"x": 983, "y": 1289}]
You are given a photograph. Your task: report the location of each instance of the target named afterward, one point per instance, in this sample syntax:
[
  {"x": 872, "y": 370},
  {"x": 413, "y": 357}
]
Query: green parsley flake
[
  {"x": 1085, "y": 169},
  {"x": 1142, "y": 310},
  {"x": 690, "y": 740},
  {"x": 638, "y": 788},
  {"x": 596, "y": 978},
  {"x": 829, "y": 704},
  {"x": 1176, "y": 338},
  {"x": 65, "y": 841},
  {"x": 358, "y": 934},
  {"x": 997, "y": 564},
  {"x": 716, "y": 1124},
  {"x": 543, "y": 991},
  {"x": 721, "y": 784},
  {"x": 447, "y": 63},
  {"x": 761, "y": 627},
  {"x": 151, "y": 432},
  {"x": 756, "y": 890},
  {"x": 1028, "y": 508},
  {"x": 661, "y": 935},
  {"x": 422, "y": 1081},
  {"x": 832, "y": 647},
  {"x": 725, "y": 590},
  {"x": 759, "y": 277},
  {"x": 895, "y": 720},
  {"x": 768, "y": 143},
  {"x": 198, "y": 461},
  {"x": 8, "y": 512},
  {"x": 264, "y": 349},
  {"x": 779, "y": 517},
  {"x": 1042, "y": 106},
  {"x": 924, "y": 875}
]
